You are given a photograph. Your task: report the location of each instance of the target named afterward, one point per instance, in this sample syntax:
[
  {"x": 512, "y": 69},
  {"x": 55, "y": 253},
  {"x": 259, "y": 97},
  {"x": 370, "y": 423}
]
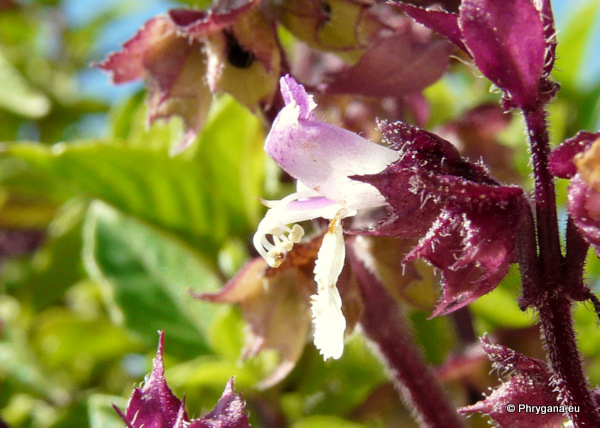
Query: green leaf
[
  {"x": 229, "y": 149},
  {"x": 204, "y": 196},
  {"x": 18, "y": 96},
  {"x": 56, "y": 266},
  {"x": 434, "y": 335},
  {"x": 201, "y": 4},
  {"x": 226, "y": 336},
  {"x": 101, "y": 413},
  {"x": 19, "y": 365},
  {"x": 499, "y": 307},
  {"x": 149, "y": 275},
  {"x": 173, "y": 193},
  {"x": 64, "y": 337},
  {"x": 339, "y": 386}
]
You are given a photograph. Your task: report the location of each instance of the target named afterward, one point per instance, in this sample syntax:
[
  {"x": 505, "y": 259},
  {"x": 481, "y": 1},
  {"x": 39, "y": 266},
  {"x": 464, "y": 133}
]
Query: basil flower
[{"x": 321, "y": 157}]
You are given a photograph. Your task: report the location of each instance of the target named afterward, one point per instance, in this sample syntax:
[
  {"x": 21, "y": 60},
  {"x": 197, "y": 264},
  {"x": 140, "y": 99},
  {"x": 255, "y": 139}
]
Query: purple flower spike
[
  {"x": 322, "y": 157},
  {"x": 529, "y": 383},
  {"x": 155, "y": 406}
]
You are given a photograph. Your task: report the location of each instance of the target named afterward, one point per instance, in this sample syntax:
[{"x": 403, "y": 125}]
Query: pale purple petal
[
  {"x": 294, "y": 93},
  {"x": 323, "y": 156}
]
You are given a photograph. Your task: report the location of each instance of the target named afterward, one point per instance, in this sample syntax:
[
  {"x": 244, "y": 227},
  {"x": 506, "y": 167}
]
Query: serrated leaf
[{"x": 149, "y": 275}]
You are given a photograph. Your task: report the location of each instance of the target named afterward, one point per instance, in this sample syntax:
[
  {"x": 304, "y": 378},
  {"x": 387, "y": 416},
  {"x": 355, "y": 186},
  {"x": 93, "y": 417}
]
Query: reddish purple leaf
[
  {"x": 395, "y": 66},
  {"x": 449, "y": 5},
  {"x": 228, "y": 413},
  {"x": 507, "y": 41},
  {"x": 187, "y": 55},
  {"x": 528, "y": 384},
  {"x": 476, "y": 134},
  {"x": 550, "y": 36},
  {"x": 584, "y": 208},
  {"x": 155, "y": 406},
  {"x": 171, "y": 66},
  {"x": 441, "y": 22},
  {"x": 129, "y": 63}
]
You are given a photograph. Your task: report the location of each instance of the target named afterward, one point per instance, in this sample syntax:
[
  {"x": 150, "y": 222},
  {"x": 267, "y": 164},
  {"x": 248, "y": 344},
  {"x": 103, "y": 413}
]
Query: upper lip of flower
[{"x": 321, "y": 157}]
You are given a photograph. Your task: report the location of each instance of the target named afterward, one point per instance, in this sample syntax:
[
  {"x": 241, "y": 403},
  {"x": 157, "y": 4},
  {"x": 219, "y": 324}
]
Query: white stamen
[{"x": 275, "y": 223}]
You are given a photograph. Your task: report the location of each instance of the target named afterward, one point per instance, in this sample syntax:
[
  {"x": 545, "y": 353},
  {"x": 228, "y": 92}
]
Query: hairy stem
[
  {"x": 527, "y": 255},
  {"x": 385, "y": 326},
  {"x": 570, "y": 381},
  {"x": 545, "y": 197},
  {"x": 547, "y": 290},
  {"x": 577, "y": 250}
]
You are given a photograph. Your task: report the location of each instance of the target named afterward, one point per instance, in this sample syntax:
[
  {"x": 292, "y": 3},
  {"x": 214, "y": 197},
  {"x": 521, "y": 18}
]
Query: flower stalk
[
  {"x": 552, "y": 300},
  {"x": 557, "y": 327},
  {"x": 545, "y": 198},
  {"x": 386, "y": 327}
]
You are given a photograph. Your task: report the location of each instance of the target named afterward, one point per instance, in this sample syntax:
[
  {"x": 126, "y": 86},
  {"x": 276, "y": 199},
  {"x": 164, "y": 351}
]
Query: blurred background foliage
[{"x": 127, "y": 231}]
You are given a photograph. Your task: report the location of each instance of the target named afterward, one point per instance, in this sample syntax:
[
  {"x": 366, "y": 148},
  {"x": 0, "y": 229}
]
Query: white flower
[{"x": 321, "y": 157}]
